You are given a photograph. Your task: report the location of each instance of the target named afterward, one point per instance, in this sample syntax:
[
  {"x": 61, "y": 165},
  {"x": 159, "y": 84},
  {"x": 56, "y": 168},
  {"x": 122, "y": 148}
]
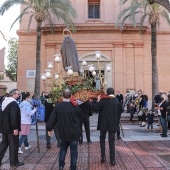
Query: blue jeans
[
  {"x": 164, "y": 126},
  {"x": 23, "y": 138},
  {"x": 150, "y": 124},
  {"x": 73, "y": 151}
]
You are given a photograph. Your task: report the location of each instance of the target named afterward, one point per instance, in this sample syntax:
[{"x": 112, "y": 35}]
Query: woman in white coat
[{"x": 26, "y": 113}]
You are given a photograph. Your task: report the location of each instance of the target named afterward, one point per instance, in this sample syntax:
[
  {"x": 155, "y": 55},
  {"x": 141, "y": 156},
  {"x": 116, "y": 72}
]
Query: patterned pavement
[{"x": 139, "y": 149}]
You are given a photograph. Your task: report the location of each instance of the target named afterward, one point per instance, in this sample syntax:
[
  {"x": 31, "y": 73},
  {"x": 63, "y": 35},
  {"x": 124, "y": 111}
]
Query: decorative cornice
[
  {"x": 138, "y": 44},
  {"x": 50, "y": 44},
  {"x": 86, "y": 28},
  {"x": 118, "y": 44}
]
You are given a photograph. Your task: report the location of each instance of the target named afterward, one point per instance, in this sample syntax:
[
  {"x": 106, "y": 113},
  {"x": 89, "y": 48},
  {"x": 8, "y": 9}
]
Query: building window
[
  {"x": 1, "y": 76},
  {"x": 93, "y": 9},
  {"x": 30, "y": 73}
]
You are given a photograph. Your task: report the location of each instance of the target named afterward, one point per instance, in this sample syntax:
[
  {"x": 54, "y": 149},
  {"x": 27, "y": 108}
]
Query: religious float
[{"x": 85, "y": 83}]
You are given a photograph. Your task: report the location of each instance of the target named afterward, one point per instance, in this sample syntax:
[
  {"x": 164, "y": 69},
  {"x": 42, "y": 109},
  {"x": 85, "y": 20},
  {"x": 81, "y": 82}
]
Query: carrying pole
[{"x": 121, "y": 129}]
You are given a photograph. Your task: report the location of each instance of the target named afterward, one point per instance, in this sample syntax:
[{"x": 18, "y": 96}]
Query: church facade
[{"x": 128, "y": 52}]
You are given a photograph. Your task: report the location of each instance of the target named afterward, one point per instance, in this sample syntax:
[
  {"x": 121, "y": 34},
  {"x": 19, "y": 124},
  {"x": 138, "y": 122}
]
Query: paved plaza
[{"x": 139, "y": 149}]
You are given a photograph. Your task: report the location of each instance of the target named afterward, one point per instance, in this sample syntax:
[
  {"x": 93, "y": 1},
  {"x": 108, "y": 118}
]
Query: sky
[{"x": 5, "y": 23}]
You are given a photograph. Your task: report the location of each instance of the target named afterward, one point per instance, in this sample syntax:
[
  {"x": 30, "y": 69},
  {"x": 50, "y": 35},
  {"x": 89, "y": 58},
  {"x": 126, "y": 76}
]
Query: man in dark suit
[
  {"x": 109, "y": 111},
  {"x": 120, "y": 97},
  {"x": 48, "y": 110},
  {"x": 10, "y": 125},
  {"x": 67, "y": 117},
  {"x": 87, "y": 112}
]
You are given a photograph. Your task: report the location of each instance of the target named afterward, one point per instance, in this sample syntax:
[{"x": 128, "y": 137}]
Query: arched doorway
[{"x": 104, "y": 61}]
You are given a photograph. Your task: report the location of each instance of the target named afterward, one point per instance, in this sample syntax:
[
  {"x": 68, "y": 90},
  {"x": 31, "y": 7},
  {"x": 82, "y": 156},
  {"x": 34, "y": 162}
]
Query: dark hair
[
  {"x": 169, "y": 97},
  {"x": 67, "y": 93},
  {"x": 25, "y": 95},
  {"x": 110, "y": 90}
]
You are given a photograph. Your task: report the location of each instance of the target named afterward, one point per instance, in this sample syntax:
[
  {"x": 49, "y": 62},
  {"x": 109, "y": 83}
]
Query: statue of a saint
[{"x": 69, "y": 53}]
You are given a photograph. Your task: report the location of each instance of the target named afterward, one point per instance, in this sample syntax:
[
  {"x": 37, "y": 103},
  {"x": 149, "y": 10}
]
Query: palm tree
[
  {"x": 151, "y": 11},
  {"x": 42, "y": 10}
]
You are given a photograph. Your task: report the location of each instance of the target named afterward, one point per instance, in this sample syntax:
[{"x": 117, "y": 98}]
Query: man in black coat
[
  {"x": 48, "y": 110},
  {"x": 10, "y": 124},
  {"x": 109, "y": 111},
  {"x": 67, "y": 116},
  {"x": 120, "y": 97},
  {"x": 86, "y": 108}
]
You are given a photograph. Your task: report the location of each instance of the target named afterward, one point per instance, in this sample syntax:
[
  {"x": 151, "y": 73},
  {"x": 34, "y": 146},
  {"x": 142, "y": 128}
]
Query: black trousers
[
  {"x": 13, "y": 143},
  {"x": 48, "y": 138},
  {"x": 87, "y": 129},
  {"x": 111, "y": 144}
]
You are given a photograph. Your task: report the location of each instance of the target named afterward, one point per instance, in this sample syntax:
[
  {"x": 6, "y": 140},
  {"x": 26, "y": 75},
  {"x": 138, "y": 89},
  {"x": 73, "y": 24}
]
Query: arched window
[{"x": 93, "y": 9}]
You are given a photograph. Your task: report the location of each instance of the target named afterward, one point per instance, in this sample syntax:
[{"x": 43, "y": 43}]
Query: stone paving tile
[{"x": 138, "y": 150}]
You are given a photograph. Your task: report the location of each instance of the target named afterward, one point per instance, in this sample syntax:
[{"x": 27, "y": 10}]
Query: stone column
[
  {"x": 118, "y": 67},
  {"x": 139, "y": 65},
  {"x": 130, "y": 67}
]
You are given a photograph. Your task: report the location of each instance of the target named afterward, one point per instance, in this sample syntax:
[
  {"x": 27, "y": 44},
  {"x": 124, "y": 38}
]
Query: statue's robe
[{"x": 69, "y": 54}]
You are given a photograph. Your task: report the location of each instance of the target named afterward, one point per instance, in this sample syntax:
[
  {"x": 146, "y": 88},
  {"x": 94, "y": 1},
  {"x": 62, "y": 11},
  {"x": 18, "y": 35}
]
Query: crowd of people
[
  {"x": 66, "y": 118},
  {"x": 138, "y": 103}
]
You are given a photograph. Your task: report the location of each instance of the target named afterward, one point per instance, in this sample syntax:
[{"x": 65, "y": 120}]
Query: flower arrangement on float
[{"x": 81, "y": 86}]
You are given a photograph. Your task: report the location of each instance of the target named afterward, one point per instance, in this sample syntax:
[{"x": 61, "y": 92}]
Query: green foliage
[
  {"x": 152, "y": 11},
  {"x": 58, "y": 88},
  {"x": 11, "y": 68},
  {"x": 43, "y": 10}
]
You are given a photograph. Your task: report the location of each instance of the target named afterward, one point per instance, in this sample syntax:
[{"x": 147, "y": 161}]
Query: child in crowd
[
  {"x": 132, "y": 112},
  {"x": 150, "y": 116}
]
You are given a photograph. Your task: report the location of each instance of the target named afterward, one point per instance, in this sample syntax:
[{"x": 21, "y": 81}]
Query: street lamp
[{"x": 69, "y": 71}]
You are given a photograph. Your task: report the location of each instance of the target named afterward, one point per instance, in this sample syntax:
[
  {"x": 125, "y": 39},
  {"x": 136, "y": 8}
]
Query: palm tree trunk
[
  {"x": 38, "y": 63},
  {"x": 155, "y": 85}
]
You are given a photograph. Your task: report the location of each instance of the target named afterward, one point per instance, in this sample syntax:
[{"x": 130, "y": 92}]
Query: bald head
[{"x": 67, "y": 93}]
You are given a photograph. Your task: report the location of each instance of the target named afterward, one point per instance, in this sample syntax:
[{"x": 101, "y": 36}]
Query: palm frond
[
  {"x": 50, "y": 19},
  {"x": 123, "y": 21},
  {"x": 121, "y": 2},
  {"x": 20, "y": 16},
  {"x": 142, "y": 22},
  {"x": 122, "y": 13},
  {"x": 8, "y": 4},
  {"x": 165, "y": 15},
  {"x": 30, "y": 20}
]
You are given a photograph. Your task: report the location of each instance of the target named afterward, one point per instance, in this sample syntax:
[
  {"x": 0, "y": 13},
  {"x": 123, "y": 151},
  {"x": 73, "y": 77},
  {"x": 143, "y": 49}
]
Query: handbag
[{"x": 140, "y": 113}]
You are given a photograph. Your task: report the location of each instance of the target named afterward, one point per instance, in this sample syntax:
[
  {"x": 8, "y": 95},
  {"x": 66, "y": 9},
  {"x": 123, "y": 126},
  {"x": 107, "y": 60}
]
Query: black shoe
[
  {"x": 113, "y": 163},
  {"x": 118, "y": 137},
  {"x": 60, "y": 168},
  {"x": 142, "y": 126},
  {"x": 19, "y": 164},
  {"x": 48, "y": 146},
  {"x": 163, "y": 135},
  {"x": 89, "y": 142},
  {"x": 103, "y": 160}
]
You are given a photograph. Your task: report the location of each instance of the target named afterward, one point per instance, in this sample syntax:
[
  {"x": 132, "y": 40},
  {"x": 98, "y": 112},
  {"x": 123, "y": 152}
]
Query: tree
[
  {"x": 11, "y": 68},
  {"x": 151, "y": 11},
  {"x": 42, "y": 10}
]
